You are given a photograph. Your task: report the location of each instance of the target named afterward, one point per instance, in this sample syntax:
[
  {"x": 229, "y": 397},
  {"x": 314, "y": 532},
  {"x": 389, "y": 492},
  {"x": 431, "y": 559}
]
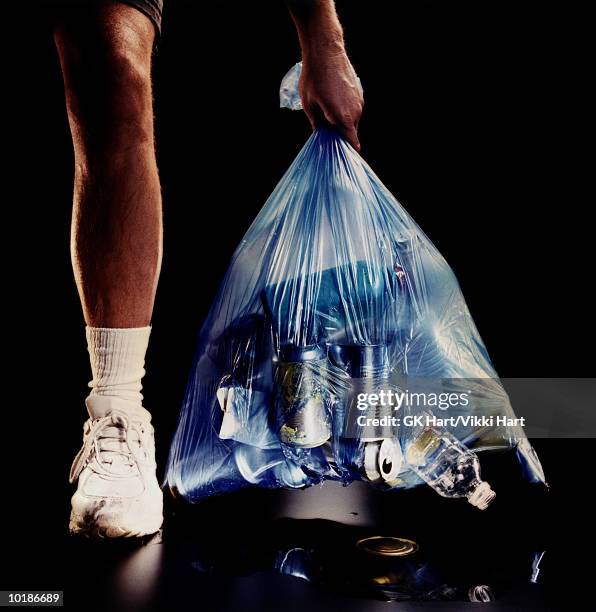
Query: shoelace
[{"x": 91, "y": 446}]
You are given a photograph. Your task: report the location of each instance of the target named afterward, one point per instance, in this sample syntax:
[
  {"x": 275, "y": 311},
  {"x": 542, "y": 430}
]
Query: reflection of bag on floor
[{"x": 333, "y": 292}]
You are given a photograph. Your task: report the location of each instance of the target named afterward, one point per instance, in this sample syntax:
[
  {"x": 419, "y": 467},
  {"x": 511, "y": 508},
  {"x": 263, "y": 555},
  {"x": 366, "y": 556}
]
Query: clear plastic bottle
[{"x": 447, "y": 466}]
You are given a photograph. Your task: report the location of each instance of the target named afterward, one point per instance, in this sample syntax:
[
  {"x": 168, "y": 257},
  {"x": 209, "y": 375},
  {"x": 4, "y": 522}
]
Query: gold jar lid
[{"x": 387, "y": 546}]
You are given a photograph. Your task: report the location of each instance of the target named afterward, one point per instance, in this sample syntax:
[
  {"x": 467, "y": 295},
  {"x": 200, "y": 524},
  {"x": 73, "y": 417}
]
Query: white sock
[{"x": 117, "y": 361}]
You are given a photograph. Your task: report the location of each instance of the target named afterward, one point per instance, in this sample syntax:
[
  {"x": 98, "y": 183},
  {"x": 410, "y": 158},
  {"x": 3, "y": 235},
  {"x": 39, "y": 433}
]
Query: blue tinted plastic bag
[{"x": 333, "y": 291}]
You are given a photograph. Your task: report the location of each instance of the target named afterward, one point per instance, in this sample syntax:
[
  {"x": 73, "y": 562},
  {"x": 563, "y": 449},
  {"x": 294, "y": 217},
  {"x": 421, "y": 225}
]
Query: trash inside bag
[{"x": 335, "y": 300}]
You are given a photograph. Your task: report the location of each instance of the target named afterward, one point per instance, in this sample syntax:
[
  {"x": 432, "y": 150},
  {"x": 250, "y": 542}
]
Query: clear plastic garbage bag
[{"x": 334, "y": 292}]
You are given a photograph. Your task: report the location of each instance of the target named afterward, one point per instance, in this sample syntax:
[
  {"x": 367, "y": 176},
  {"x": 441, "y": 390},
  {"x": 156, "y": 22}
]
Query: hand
[{"x": 330, "y": 94}]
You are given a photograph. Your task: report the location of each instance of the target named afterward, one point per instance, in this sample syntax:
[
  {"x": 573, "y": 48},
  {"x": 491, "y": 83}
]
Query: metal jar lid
[{"x": 387, "y": 546}]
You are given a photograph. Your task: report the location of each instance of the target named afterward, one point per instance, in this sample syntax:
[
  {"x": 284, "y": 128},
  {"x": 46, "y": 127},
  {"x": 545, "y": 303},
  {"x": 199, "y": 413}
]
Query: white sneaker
[{"x": 118, "y": 494}]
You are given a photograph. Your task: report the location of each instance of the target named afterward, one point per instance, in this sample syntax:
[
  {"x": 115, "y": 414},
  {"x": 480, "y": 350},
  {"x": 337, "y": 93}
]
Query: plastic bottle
[
  {"x": 268, "y": 468},
  {"x": 447, "y": 466}
]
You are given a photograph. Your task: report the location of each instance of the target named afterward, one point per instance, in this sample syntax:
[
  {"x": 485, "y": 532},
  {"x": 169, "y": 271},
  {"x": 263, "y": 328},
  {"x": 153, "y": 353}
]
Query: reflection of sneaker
[{"x": 118, "y": 494}]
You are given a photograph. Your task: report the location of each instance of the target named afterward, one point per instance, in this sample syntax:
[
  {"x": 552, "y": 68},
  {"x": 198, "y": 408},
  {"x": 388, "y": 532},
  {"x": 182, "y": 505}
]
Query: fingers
[
  {"x": 331, "y": 95},
  {"x": 350, "y": 133},
  {"x": 346, "y": 124}
]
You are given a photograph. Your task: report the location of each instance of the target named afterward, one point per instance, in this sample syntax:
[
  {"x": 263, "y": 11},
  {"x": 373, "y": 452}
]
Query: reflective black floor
[{"x": 290, "y": 550}]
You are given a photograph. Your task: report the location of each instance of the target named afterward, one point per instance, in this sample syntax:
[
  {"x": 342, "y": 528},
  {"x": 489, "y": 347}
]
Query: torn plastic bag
[{"x": 335, "y": 292}]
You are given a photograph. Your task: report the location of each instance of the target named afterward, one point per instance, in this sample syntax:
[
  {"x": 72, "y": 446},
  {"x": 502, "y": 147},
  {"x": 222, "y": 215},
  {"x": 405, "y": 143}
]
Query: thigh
[{"x": 105, "y": 51}]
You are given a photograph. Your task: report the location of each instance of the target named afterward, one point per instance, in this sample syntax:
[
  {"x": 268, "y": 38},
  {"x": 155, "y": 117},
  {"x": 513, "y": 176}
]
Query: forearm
[
  {"x": 328, "y": 87},
  {"x": 318, "y": 27}
]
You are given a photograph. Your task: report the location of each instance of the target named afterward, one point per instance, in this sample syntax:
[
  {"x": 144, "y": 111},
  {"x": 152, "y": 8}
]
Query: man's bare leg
[
  {"x": 105, "y": 51},
  {"x": 116, "y": 225}
]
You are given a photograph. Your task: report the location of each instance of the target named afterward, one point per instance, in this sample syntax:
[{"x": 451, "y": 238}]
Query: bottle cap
[{"x": 482, "y": 496}]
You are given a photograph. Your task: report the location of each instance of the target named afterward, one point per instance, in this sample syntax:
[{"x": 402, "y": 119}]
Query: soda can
[{"x": 367, "y": 368}]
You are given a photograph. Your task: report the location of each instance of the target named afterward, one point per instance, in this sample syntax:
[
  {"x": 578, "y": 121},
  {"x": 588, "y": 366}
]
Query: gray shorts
[
  {"x": 152, "y": 8},
  {"x": 62, "y": 8}
]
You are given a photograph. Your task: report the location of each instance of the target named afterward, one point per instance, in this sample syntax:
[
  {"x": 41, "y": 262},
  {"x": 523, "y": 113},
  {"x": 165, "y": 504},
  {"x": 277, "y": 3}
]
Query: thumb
[{"x": 315, "y": 115}]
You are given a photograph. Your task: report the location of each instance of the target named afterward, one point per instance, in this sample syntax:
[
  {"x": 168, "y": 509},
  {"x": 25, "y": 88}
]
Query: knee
[{"x": 105, "y": 55}]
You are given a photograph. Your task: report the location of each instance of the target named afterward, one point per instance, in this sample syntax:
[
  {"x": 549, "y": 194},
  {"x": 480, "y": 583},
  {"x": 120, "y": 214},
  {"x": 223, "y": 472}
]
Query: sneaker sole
[{"x": 78, "y": 526}]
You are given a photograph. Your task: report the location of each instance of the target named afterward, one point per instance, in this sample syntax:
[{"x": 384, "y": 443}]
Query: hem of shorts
[{"x": 154, "y": 16}]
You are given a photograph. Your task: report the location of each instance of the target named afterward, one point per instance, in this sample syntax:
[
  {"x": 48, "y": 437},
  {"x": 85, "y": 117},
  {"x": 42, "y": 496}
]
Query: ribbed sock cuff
[{"x": 117, "y": 361}]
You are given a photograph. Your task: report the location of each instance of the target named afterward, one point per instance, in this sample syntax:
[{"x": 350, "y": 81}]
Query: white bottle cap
[{"x": 482, "y": 496}]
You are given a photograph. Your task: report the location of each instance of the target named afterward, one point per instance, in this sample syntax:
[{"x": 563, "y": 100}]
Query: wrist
[{"x": 330, "y": 45}]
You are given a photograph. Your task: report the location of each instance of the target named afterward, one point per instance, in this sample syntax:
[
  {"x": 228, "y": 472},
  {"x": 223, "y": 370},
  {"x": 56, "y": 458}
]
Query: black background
[{"x": 473, "y": 119}]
